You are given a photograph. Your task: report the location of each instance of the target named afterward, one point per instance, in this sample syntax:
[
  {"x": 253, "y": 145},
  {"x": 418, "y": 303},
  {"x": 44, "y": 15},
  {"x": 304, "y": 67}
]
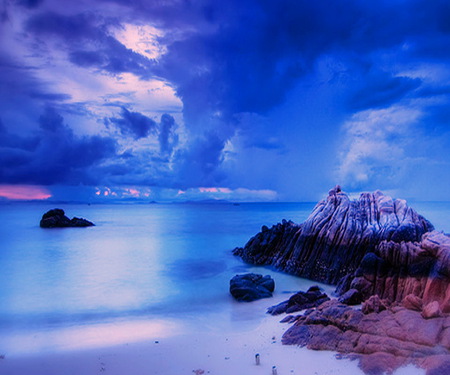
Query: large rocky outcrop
[
  {"x": 397, "y": 270},
  {"x": 377, "y": 250},
  {"x": 382, "y": 341},
  {"x": 337, "y": 235},
  {"x": 56, "y": 218}
]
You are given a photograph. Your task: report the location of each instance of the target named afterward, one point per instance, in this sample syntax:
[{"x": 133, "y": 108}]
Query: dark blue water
[{"x": 139, "y": 263}]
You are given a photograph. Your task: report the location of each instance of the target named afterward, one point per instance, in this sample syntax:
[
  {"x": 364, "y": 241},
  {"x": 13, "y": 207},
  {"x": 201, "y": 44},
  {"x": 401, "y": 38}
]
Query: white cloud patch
[
  {"x": 142, "y": 39},
  {"x": 377, "y": 147}
]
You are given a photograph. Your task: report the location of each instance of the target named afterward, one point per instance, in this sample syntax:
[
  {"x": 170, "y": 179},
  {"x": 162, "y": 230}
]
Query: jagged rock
[
  {"x": 351, "y": 297},
  {"x": 331, "y": 243},
  {"x": 399, "y": 334},
  {"x": 56, "y": 218},
  {"x": 250, "y": 287},
  {"x": 395, "y": 270},
  {"x": 300, "y": 301}
]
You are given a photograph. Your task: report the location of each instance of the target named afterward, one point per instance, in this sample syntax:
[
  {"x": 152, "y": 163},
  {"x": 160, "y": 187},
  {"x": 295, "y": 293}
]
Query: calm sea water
[{"x": 140, "y": 263}]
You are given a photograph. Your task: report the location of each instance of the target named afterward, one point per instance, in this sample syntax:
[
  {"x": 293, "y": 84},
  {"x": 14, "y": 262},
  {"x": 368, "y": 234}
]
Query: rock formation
[
  {"x": 375, "y": 245},
  {"x": 250, "y": 287},
  {"x": 381, "y": 341},
  {"x": 377, "y": 250},
  {"x": 333, "y": 240},
  {"x": 300, "y": 301},
  {"x": 56, "y": 218},
  {"x": 397, "y": 270}
]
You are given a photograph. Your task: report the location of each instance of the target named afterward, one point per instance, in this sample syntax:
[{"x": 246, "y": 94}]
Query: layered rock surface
[
  {"x": 397, "y": 270},
  {"x": 335, "y": 238},
  {"x": 382, "y": 341}
]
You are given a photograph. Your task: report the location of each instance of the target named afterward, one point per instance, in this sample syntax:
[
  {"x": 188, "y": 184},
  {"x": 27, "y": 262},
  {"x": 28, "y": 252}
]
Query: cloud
[
  {"x": 167, "y": 137},
  {"x": 89, "y": 42},
  {"x": 53, "y": 155},
  {"x": 24, "y": 192},
  {"x": 30, "y": 3},
  {"x": 265, "y": 88},
  {"x": 379, "y": 148},
  {"x": 198, "y": 163},
  {"x": 134, "y": 123},
  {"x": 381, "y": 90}
]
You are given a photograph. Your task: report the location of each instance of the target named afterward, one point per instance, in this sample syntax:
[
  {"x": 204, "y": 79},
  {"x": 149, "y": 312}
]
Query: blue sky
[{"x": 240, "y": 100}]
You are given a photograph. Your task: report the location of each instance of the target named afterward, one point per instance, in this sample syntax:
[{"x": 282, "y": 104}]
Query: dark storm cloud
[
  {"x": 197, "y": 165},
  {"x": 381, "y": 90},
  {"x": 30, "y": 3},
  {"x": 16, "y": 142},
  {"x": 248, "y": 56},
  {"x": 53, "y": 155},
  {"x": 134, "y": 123},
  {"x": 222, "y": 59},
  {"x": 88, "y": 42},
  {"x": 19, "y": 82}
]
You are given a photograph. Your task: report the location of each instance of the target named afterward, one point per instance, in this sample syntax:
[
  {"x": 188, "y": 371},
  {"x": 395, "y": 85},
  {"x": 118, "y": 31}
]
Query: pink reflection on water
[
  {"x": 24, "y": 192},
  {"x": 89, "y": 336}
]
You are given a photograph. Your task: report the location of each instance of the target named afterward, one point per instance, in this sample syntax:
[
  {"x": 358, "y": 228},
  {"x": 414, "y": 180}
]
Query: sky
[{"x": 243, "y": 100}]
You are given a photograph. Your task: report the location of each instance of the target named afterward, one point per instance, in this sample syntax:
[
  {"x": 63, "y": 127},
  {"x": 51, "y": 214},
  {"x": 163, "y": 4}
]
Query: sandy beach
[{"x": 217, "y": 346}]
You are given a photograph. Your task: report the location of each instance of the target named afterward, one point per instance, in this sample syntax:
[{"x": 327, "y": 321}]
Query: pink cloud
[{"x": 24, "y": 192}]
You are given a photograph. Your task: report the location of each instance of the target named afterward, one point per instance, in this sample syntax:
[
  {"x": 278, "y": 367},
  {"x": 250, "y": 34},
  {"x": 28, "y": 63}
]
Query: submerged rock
[
  {"x": 56, "y": 218},
  {"x": 250, "y": 287},
  {"x": 300, "y": 301}
]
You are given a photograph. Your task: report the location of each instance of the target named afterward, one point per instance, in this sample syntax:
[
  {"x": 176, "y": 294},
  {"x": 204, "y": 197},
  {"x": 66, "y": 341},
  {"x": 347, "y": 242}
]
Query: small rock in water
[
  {"x": 56, "y": 218},
  {"x": 251, "y": 287}
]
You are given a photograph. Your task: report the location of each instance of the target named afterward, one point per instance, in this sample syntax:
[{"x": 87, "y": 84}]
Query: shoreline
[{"x": 215, "y": 352}]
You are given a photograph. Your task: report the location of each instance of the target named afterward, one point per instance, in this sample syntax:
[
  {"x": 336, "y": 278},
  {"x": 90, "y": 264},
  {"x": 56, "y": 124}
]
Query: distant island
[{"x": 380, "y": 252}]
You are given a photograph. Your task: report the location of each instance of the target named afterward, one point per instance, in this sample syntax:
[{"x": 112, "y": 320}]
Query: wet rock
[
  {"x": 300, "y": 301},
  {"x": 250, "y": 287},
  {"x": 56, "y": 218}
]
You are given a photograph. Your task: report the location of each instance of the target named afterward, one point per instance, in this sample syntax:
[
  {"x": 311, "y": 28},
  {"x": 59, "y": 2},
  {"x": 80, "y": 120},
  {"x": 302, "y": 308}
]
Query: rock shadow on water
[{"x": 192, "y": 269}]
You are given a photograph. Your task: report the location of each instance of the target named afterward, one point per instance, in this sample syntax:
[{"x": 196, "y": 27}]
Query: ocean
[{"x": 143, "y": 270}]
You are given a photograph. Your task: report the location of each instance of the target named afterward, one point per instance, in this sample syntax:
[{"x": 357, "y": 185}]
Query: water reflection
[
  {"x": 89, "y": 336},
  {"x": 185, "y": 269}
]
